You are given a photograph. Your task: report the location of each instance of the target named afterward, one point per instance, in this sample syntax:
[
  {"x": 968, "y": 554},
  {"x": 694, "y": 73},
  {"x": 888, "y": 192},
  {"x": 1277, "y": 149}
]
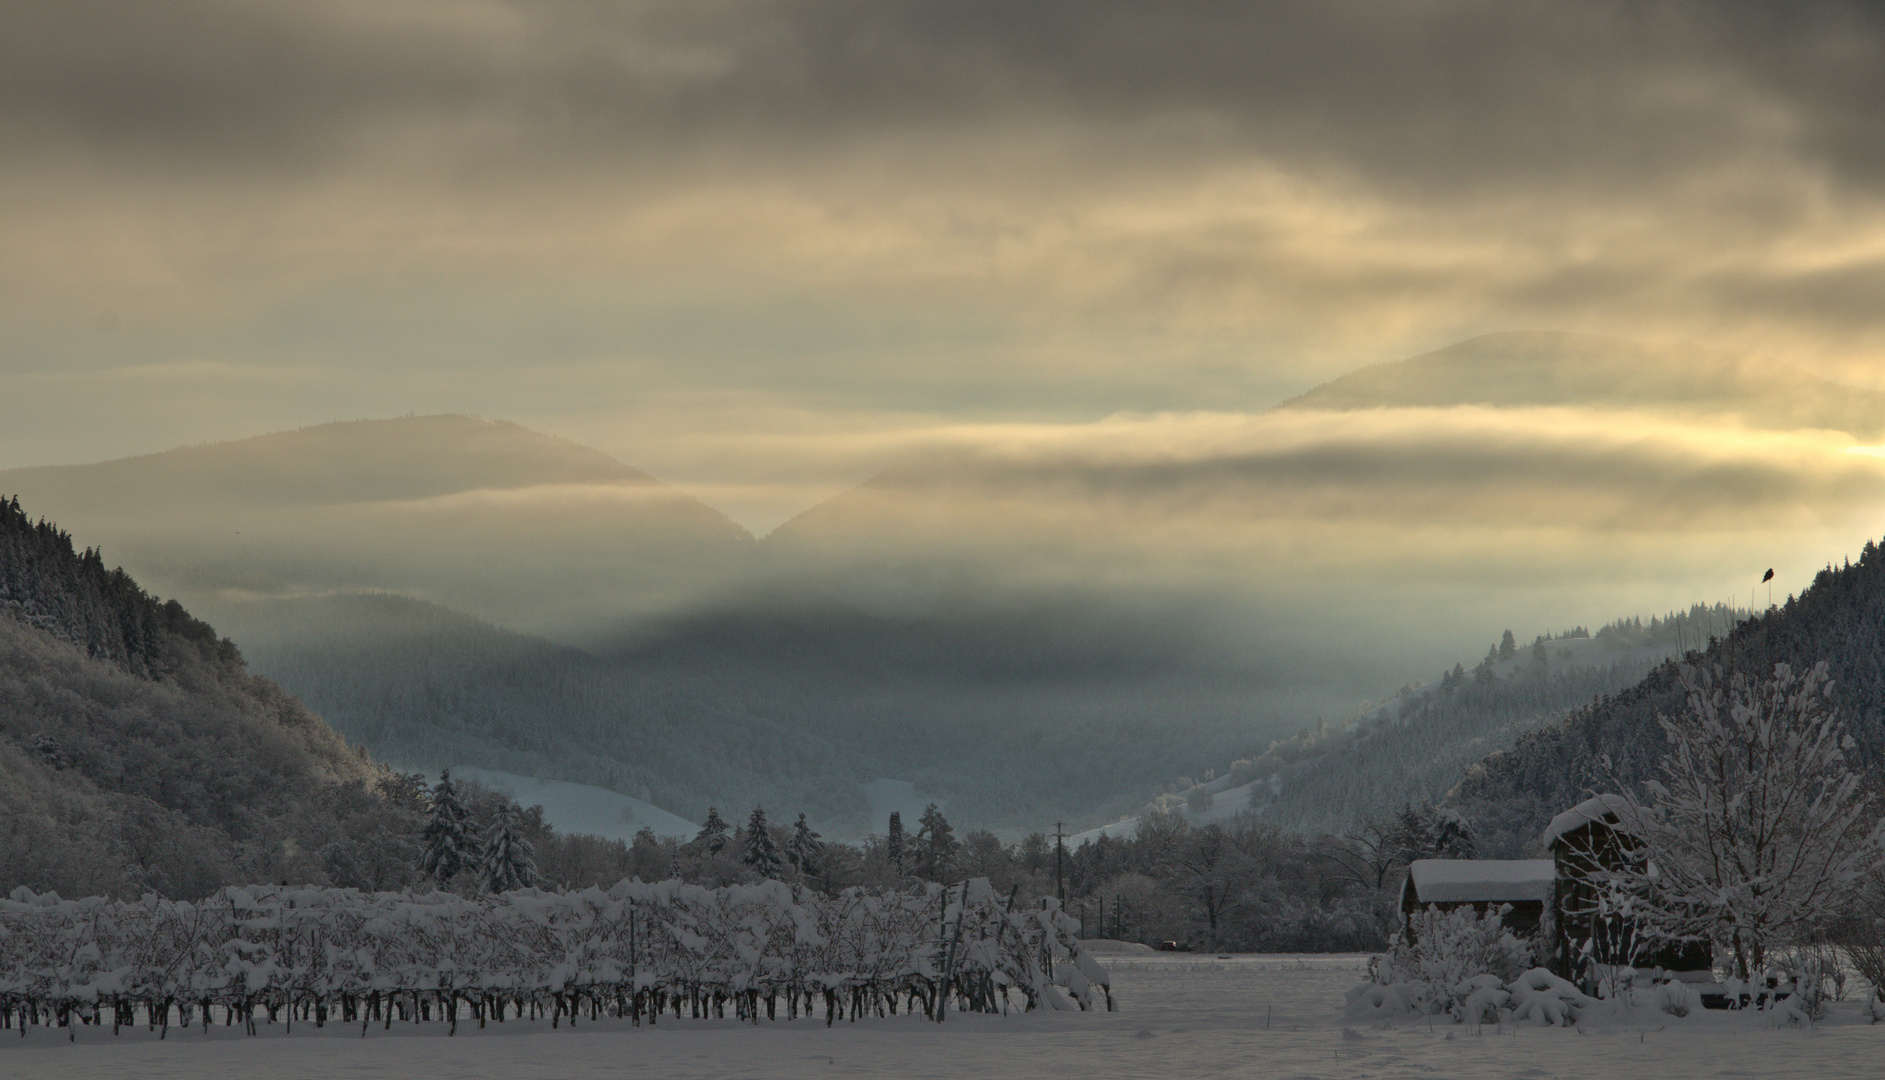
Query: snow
[
  {"x": 1595, "y": 808},
  {"x": 1110, "y": 947},
  {"x": 623, "y": 951},
  {"x": 1179, "y": 1018},
  {"x": 1441, "y": 881},
  {"x": 582, "y": 808}
]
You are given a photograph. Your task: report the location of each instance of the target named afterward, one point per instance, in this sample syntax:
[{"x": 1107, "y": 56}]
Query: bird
[{"x": 1767, "y": 577}]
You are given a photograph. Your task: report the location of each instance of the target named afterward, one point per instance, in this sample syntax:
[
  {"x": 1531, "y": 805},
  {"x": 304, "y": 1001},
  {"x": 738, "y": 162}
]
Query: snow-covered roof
[
  {"x": 1596, "y": 808},
  {"x": 1443, "y": 881}
]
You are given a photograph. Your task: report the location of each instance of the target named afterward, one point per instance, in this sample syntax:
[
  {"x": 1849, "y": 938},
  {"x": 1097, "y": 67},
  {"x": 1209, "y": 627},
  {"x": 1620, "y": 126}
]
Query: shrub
[{"x": 1443, "y": 952}]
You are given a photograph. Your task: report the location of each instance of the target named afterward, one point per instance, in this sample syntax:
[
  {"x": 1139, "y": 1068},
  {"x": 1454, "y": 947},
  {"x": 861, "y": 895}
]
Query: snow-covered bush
[
  {"x": 1535, "y": 994},
  {"x": 1816, "y": 975},
  {"x": 1540, "y": 995},
  {"x": 1443, "y": 952},
  {"x": 1382, "y": 1002},
  {"x": 1676, "y": 998},
  {"x": 635, "y": 950},
  {"x": 1480, "y": 999}
]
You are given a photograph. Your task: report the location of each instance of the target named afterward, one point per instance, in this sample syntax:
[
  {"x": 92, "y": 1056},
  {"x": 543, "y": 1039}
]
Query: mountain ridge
[
  {"x": 423, "y": 505},
  {"x": 1544, "y": 368}
]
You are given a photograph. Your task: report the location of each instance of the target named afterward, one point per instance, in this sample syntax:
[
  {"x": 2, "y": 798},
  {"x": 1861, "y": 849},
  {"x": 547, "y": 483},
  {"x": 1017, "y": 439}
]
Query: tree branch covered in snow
[{"x": 1758, "y": 830}]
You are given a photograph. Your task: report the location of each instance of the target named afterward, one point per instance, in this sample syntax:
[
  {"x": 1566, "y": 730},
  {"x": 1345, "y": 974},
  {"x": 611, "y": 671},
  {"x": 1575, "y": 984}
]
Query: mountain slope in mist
[
  {"x": 1840, "y": 619},
  {"x": 138, "y": 753},
  {"x": 797, "y": 711},
  {"x": 1412, "y": 748},
  {"x": 1558, "y": 369},
  {"x": 521, "y": 528},
  {"x": 1053, "y": 622},
  {"x": 1379, "y": 524}
]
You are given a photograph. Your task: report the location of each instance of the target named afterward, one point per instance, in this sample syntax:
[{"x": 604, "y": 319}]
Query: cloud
[
  {"x": 1434, "y": 91},
  {"x": 684, "y": 230},
  {"x": 1347, "y": 547},
  {"x": 1368, "y": 511}
]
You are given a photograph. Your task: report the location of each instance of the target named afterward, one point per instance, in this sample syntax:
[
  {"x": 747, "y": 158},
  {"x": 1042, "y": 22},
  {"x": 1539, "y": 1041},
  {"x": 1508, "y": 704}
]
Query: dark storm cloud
[{"x": 1446, "y": 97}]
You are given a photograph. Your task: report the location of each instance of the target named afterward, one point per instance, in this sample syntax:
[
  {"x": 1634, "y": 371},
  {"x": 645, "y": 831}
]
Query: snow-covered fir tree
[
  {"x": 713, "y": 833},
  {"x": 803, "y": 849},
  {"x": 762, "y": 851},
  {"x": 450, "y": 848},
  {"x": 509, "y": 861}
]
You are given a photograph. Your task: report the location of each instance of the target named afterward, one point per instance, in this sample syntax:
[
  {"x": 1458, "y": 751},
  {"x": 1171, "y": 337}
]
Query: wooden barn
[
  {"x": 1587, "y": 840},
  {"x": 1481, "y": 884},
  {"x": 1561, "y": 899}
]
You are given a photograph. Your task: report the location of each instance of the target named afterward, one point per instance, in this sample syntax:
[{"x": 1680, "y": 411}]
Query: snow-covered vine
[{"x": 635, "y": 951}]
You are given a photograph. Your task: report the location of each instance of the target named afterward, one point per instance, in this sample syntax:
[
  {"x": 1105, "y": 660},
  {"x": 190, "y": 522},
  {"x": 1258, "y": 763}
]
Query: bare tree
[
  {"x": 1758, "y": 830},
  {"x": 1372, "y": 852}
]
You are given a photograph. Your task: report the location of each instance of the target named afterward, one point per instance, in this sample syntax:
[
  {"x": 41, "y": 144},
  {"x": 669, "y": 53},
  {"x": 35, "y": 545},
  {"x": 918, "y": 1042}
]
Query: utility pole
[{"x": 1060, "y": 836}]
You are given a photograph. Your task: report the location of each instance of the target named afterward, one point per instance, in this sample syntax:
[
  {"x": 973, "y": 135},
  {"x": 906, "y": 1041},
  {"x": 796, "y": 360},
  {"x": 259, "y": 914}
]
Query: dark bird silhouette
[{"x": 1767, "y": 577}]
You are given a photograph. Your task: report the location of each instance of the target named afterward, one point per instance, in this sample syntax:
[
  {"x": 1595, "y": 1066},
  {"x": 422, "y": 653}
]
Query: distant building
[
  {"x": 1482, "y": 884},
  {"x": 1561, "y": 900}
]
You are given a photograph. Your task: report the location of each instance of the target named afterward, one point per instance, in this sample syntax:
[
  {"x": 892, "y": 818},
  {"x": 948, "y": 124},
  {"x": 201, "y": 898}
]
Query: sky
[{"x": 761, "y": 249}]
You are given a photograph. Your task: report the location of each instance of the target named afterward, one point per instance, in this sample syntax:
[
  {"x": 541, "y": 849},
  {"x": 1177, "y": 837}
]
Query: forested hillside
[
  {"x": 1312, "y": 785},
  {"x": 45, "y": 583},
  {"x": 137, "y": 753},
  {"x": 1411, "y": 748},
  {"x": 1840, "y": 619},
  {"x": 796, "y": 708}
]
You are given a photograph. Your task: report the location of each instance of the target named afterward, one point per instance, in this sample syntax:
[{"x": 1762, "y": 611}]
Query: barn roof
[
  {"x": 1608, "y": 809},
  {"x": 1444, "y": 881}
]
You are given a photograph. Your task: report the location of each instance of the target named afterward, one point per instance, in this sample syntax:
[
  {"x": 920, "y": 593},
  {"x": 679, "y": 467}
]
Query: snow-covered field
[{"x": 1181, "y": 1016}]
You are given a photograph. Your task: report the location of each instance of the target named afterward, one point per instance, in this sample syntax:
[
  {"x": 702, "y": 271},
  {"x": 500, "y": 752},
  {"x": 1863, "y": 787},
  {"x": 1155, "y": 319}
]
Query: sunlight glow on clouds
[{"x": 768, "y": 250}]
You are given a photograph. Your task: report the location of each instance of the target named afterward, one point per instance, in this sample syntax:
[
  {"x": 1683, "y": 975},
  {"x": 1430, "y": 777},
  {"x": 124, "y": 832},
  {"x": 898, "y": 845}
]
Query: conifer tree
[
  {"x": 713, "y": 833},
  {"x": 762, "y": 852},
  {"x": 1508, "y": 646},
  {"x": 450, "y": 848},
  {"x": 936, "y": 845},
  {"x": 894, "y": 843},
  {"x": 509, "y": 860},
  {"x": 804, "y": 850}
]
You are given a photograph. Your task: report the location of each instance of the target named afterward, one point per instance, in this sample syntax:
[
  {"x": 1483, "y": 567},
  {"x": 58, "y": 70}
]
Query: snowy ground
[{"x": 1181, "y": 1016}]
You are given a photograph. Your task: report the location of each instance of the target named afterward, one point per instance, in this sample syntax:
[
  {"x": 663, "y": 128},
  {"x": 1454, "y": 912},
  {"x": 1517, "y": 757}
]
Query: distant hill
[
  {"x": 137, "y": 753},
  {"x": 796, "y": 708},
  {"x": 421, "y": 582},
  {"x": 1412, "y": 747},
  {"x": 1589, "y": 370},
  {"x": 1840, "y": 619},
  {"x": 523, "y": 529}
]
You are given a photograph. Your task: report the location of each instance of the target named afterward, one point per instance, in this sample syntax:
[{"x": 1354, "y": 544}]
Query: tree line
[{"x": 1241, "y": 884}]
